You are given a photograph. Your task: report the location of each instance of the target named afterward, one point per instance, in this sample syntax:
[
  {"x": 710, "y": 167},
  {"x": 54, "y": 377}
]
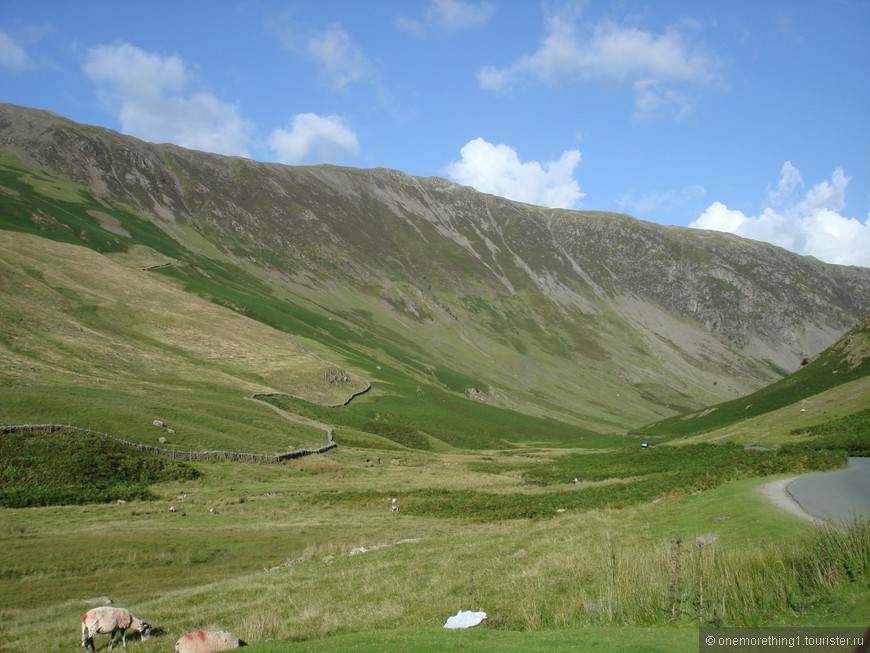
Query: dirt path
[{"x": 297, "y": 418}]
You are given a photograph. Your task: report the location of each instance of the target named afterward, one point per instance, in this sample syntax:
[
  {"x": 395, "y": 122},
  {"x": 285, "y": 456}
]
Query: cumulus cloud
[
  {"x": 650, "y": 63},
  {"x": 152, "y": 98},
  {"x": 314, "y": 139},
  {"x": 12, "y": 55},
  {"x": 497, "y": 169},
  {"x": 339, "y": 59},
  {"x": 809, "y": 223}
]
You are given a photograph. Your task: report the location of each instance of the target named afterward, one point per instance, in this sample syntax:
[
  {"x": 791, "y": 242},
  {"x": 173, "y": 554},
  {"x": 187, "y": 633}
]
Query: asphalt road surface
[{"x": 838, "y": 496}]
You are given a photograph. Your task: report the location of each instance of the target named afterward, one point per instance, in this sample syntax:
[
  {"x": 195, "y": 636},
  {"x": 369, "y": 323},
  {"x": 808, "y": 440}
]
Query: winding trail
[{"x": 304, "y": 421}]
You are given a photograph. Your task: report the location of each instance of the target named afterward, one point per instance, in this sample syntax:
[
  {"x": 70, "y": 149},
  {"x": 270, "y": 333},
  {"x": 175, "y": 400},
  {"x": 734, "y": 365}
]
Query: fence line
[{"x": 178, "y": 455}]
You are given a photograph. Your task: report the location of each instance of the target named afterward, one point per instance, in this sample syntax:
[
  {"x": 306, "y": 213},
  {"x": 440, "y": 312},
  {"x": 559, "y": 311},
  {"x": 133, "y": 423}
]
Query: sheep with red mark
[
  {"x": 207, "y": 641},
  {"x": 110, "y": 621}
]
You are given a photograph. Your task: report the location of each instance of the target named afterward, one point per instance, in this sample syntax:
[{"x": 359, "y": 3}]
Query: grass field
[{"x": 307, "y": 554}]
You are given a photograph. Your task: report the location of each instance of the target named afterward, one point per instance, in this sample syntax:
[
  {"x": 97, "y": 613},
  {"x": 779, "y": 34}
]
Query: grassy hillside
[
  {"x": 79, "y": 352},
  {"x": 89, "y": 342},
  {"x": 840, "y": 372},
  {"x": 115, "y": 334},
  {"x": 68, "y": 467},
  {"x": 594, "y": 319}
]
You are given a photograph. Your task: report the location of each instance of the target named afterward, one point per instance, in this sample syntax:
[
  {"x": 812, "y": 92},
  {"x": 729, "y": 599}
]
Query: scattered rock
[
  {"x": 336, "y": 375},
  {"x": 705, "y": 539}
]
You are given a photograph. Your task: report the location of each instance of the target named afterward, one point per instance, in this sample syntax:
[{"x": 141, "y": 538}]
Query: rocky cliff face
[{"x": 573, "y": 305}]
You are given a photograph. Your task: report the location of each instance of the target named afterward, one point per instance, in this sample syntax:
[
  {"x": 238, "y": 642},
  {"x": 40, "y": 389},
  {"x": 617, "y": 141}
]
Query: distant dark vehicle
[{"x": 644, "y": 445}]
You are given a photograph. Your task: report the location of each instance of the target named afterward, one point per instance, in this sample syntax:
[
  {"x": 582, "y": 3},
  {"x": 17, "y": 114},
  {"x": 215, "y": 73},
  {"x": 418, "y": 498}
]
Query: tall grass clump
[
  {"x": 704, "y": 583},
  {"x": 841, "y": 554}
]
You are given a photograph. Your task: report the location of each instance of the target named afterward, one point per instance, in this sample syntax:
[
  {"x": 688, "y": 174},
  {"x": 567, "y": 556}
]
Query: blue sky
[{"x": 748, "y": 116}]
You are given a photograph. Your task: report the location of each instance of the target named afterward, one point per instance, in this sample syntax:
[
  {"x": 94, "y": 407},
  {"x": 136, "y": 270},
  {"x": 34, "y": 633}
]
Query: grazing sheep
[
  {"x": 109, "y": 620},
  {"x": 207, "y": 641}
]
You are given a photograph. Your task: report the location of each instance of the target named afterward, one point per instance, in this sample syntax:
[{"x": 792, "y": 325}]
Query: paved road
[{"x": 838, "y": 496}]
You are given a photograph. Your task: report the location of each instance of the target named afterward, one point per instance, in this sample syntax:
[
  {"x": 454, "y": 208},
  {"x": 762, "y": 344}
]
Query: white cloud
[
  {"x": 454, "y": 15},
  {"x": 12, "y": 55},
  {"x": 497, "y": 169},
  {"x": 651, "y": 98},
  {"x": 314, "y": 139},
  {"x": 447, "y": 16},
  {"x": 340, "y": 60},
  {"x": 790, "y": 183},
  {"x": 810, "y": 225},
  {"x": 150, "y": 94},
  {"x": 640, "y": 58}
]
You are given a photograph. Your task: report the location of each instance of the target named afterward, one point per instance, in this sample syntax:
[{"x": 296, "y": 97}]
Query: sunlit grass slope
[
  {"x": 135, "y": 326},
  {"x": 833, "y": 385},
  {"x": 90, "y": 342}
]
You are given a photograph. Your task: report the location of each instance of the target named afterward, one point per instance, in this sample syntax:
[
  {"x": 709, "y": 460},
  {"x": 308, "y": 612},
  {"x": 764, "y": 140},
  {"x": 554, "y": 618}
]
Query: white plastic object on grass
[{"x": 465, "y": 619}]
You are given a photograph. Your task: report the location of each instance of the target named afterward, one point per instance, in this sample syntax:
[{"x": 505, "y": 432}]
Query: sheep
[
  {"x": 109, "y": 620},
  {"x": 207, "y": 641}
]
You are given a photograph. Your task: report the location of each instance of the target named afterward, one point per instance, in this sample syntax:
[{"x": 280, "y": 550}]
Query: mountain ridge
[{"x": 569, "y": 313}]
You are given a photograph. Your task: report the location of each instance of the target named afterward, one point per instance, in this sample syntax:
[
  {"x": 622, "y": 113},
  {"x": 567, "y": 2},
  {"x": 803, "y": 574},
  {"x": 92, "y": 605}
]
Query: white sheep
[
  {"x": 207, "y": 641},
  {"x": 109, "y": 620}
]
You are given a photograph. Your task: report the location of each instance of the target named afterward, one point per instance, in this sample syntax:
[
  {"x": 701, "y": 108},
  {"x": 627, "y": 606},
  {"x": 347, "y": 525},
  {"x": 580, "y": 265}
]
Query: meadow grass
[
  {"x": 282, "y": 562},
  {"x": 487, "y": 640}
]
